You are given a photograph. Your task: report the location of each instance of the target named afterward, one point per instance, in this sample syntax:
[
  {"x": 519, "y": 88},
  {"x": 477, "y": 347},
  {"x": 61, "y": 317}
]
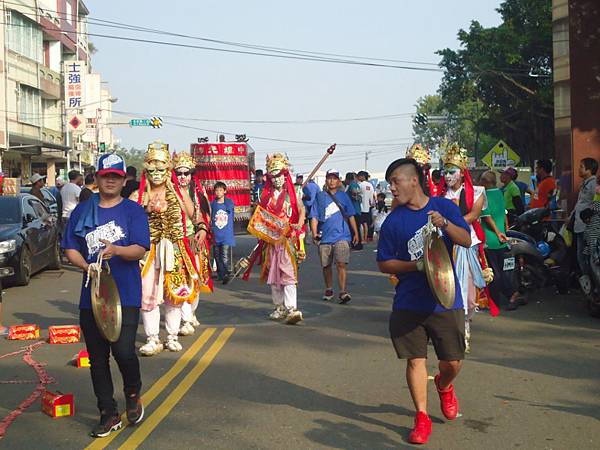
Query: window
[
  {"x": 40, "y": 210},
  {"x": 69, "y": 13},
  {"x": 29, "y": 105},
  {"x": 28, "y": 209},
  {"x": 25, "y": 36}
]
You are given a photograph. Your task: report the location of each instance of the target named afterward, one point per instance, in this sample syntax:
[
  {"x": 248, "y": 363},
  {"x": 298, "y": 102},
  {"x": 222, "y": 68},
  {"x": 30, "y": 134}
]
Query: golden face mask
[{"x": 158, "y": 172}]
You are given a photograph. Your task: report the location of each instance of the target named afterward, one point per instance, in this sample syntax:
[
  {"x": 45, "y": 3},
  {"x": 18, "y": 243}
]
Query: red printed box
[
  {"x": 83, "y": 359},
  {"x": 24, "y": 332},
  {"x": 64, "y": 334},
  {"x": 58, "y": 404}
]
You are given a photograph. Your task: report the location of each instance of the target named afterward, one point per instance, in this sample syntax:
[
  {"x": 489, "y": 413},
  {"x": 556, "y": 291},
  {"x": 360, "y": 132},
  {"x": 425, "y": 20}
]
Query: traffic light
[
  {"x": 102, "y": 147},
  {"x": 421, "y": 119}
]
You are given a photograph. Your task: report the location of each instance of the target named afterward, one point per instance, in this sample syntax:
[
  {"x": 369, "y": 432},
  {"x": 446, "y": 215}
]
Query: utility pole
[{"x": 367, "y": 153}]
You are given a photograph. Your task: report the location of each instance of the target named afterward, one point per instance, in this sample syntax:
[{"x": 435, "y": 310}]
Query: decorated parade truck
[{"x": 233, "y": 164}]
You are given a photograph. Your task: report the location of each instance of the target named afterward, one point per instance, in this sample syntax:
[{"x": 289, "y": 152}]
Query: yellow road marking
[
  {"x": 147, "y": 426},
  {"x": 159, "y": 386}
]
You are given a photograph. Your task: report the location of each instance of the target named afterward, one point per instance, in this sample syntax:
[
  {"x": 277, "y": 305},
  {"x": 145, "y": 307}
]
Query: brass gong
[
  {"x": 438, "y": 268},
  {"x": 106, "y": 305}
]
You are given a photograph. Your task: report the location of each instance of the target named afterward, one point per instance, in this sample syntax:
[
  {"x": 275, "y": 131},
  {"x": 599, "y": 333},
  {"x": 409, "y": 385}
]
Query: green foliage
[
  {"x": 133, "y": 157},
  {"x": 501, "y": 78}
]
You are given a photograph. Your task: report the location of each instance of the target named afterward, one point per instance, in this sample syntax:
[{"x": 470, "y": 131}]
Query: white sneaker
[
  {"x": 195, "y": 322},
  {"x": 186, "y": 329},
  {"x": 173, "y": 344},
  {"x": 293, "y": 317},
  {"x": 152, "y": 347},
  {"x": 278, "y": 313}
]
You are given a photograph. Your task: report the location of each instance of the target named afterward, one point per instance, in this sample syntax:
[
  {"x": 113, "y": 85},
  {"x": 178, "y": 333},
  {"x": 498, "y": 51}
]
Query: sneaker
[
  {"x": 227, "y": 278},
  {"x": 278, "y": 313},
  {"x": 108, "y": 424},
  {"x": 328, "y": 295},
  {"x": 344, "y": 298},
  {"x": 134, "y": 408},
  {"x": 152, "y": 347},
  {"x": 195, "y": 322},
  {"x": 448, "y": 400},
  {"x": 293, "y": 317},
  {"x": 186, "y": 329},
  {"x": 173, "y": 344},
  {"x": 422, "y": 429}
]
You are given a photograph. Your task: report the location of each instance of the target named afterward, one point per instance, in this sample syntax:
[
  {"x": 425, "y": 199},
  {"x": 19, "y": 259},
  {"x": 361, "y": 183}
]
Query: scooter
[{"x": 537, "y": 252}]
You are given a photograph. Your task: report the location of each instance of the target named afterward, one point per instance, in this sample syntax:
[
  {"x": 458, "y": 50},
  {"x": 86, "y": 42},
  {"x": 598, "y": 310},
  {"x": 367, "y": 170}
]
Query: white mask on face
[
  {"x": 278, "y": 181},
  {"x": 453, "y": 176}
]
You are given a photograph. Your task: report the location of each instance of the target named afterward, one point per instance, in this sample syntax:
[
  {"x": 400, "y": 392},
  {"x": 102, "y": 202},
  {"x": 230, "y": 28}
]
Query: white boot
[
  {"x": 278, "y": 313},
  {"x": 293, "y": 317},
  {"x": 195, "y": 322},
  {"x": 186, "y": 329},
  {"x": 152, "y": 347},
  {"x": 173, "y": 344}
]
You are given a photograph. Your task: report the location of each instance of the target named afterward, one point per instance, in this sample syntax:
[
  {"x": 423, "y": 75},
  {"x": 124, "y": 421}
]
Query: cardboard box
[
  {"x": 24, "y": 332},
  {"x": 83, "y": 359},
  {"x": 58, "y": 404},
  {"x": 10, "y": 186},
  {"x": 64, "y": 334}
]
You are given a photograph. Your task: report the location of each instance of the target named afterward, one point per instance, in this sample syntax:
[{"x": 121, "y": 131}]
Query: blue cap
[{"x": 111, "y": 163}]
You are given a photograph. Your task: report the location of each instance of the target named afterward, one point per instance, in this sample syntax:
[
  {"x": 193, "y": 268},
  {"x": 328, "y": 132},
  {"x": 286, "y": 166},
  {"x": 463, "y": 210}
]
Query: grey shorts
[{"x": 338, "y": 252}]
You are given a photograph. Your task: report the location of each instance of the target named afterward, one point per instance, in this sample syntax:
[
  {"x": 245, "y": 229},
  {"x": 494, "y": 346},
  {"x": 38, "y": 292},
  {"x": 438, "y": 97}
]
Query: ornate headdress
[
  {"x": 456, "y": 156},
  {"x": 183, "y": 159},
  {"x": 158, "y": 151},
  {"x": 277, "y": 162},
  {"x": 419, "y": 154}
]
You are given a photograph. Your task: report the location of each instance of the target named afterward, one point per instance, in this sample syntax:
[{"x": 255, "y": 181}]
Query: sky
[{"x": 188, "y": 83}]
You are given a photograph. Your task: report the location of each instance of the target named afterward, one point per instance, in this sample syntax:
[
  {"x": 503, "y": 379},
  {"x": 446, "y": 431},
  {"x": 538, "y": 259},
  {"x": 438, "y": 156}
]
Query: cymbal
[
  {"x": 438, "y": 268},
  {"x": 106, "y": 306}
]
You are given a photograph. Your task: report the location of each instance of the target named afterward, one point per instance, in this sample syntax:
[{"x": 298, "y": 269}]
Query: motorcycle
[
  {"x": 590, "y": 284},
  {"x": 538, "y": 253}
]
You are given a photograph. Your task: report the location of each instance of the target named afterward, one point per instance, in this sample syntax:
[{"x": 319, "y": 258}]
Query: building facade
[
  {"x": 38, "y": 39},
  {"x": 576, "y": 46}
]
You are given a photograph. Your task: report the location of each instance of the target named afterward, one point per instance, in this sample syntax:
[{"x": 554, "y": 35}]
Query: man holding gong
[
  {"x": 115, "y": 228},
  {"x": 417, "y": 316}
]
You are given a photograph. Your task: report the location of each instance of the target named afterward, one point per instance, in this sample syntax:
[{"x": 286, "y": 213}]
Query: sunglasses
[{"x": 183, "y": 174}]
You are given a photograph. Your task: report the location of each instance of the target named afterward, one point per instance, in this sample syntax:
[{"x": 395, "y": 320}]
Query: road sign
[
  {"x": 76, "y": 125},
  {"x": 501, "y": 155},
  {"x": 140, "y": 123},
  {"x": 154, "y": 122}
]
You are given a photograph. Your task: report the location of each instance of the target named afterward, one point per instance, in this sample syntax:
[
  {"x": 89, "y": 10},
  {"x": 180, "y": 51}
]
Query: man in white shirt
[
  {"x": 368, "y": 199},
  {"x": 70, "y": 194}
]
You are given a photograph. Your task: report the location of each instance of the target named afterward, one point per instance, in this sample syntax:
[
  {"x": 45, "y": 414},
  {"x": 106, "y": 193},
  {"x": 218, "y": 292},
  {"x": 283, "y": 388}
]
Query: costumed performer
[
  {"x": 169, "y": 273},
  {"x": 198, "y": 234},
  {"x": 472, "y": 270}
]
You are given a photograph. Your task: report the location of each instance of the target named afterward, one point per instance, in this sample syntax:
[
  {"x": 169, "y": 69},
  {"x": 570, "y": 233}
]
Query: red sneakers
[
  {"x": 422, "y": 429},
  {"x": 448, "y": 400}
]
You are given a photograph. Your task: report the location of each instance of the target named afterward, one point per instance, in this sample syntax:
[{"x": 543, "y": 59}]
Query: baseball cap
[
  {"x": 333, "y": 172},
  {"x": 111, "y": 163},
  {"x": 510, "y": 171},
  {"x": 35, "y": 178}
]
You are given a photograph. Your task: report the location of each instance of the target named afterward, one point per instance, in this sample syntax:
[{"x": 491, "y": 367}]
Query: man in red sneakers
[{"x": 417, "y": 317}]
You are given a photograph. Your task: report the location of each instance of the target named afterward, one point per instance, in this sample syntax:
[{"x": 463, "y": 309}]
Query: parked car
[
  {"x": 49, "y": 199},
  {"x": 29, "y": 238}
]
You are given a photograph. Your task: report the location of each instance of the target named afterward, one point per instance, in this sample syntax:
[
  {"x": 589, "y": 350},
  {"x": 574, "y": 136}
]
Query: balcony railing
[{"x": 50, "y": 83}]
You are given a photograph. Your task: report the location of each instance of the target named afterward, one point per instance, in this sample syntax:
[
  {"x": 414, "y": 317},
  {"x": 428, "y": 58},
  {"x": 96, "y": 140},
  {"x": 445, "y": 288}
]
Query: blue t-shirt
[
  {"x": 401, "y": 238},
  {"x": 124, "y": 224},
  {"x": 222, "y": 218},
  {"x": 332, "y": 225},
  {"x": 309, "y": 194}
]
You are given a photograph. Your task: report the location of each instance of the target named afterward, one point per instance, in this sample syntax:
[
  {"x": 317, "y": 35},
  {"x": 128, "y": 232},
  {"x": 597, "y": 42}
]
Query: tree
[
  {"x": 133, "y": 157},
  {"x": 505, "y": 73}
]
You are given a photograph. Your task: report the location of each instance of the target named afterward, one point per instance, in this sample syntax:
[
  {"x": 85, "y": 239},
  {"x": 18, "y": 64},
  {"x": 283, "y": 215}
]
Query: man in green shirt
[
  {"x": 495, "y": 223},
  {"x": 513, "y": 202}
]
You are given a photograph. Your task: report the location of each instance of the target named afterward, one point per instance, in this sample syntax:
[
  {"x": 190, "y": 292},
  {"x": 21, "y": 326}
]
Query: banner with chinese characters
[
  {"x": 74, "y": 72},
  {"x": 226, "y": 162}
]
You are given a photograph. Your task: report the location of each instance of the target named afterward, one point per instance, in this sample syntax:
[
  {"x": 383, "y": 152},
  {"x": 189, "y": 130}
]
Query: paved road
[{"x": 242, "y": 382}]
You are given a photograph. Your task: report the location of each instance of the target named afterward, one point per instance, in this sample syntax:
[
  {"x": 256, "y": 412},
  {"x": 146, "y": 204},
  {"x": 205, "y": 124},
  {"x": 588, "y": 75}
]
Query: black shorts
[
  {"x": 410, "y": 332},
  {"x": 366, "y": 218}
]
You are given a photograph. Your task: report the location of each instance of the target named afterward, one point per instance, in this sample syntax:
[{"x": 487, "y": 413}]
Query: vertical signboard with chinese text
[{"x": 74, "y": 73}]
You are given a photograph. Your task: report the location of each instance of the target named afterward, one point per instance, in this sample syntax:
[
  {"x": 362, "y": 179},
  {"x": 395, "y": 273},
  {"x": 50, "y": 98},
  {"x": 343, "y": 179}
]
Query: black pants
[
  {"x": 123, "y": 351},
  {"x": 221, "y": 252},
  {"x": 503, "y": 286}
]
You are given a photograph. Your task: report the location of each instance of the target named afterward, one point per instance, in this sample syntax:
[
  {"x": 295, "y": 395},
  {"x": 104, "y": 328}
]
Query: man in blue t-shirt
[
  {"x": 416, "y": 316},
  {"x": 329, "y": 216},
  {"x": 117, "y": 228},
  {"x": 222, "y": 218}
]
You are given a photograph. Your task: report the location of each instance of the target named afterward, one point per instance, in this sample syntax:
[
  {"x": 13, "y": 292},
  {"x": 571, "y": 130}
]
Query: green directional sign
[{"x": 140, "y": 123}]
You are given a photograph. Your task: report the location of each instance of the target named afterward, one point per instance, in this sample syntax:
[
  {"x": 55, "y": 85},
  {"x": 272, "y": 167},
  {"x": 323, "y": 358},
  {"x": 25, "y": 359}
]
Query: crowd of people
[{"x": 161, "y": 236}]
